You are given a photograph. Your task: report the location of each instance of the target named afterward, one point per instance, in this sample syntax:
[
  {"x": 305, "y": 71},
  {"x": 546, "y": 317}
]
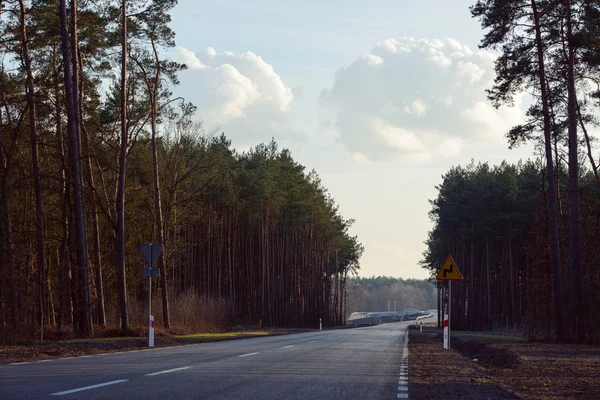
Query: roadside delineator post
[
  {"x": 446, "y": 336},
  {"x": 151, "y": 332},
  {"x": 421, "y": 326},
  {"x": 320, "y": 324}
]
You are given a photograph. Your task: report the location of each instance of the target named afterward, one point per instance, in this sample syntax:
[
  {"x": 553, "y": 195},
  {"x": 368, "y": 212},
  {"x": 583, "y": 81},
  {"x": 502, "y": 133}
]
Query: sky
[{"x": 381, "y": 98}]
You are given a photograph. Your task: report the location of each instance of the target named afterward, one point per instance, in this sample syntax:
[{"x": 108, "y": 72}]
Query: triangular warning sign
[{"x": 449, "y": 271}]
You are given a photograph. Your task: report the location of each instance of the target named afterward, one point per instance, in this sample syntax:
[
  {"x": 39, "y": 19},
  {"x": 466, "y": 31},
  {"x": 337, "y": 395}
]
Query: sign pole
[
  {"x": 449, "y": 310},
  {"x": 150, "y": 333},
  {"x": 150, "y": 252}
]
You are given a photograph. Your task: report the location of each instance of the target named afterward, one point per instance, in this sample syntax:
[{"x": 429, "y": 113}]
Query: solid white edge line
[
  {"x": 246, "y": 355},
  {"x": 81, "y": 389},
  {"x": 167, "y": 371}
]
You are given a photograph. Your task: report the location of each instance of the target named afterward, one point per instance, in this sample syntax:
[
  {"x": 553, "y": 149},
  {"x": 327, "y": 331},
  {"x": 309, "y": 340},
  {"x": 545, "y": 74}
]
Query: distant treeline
[{"x": 383, "y": 293}]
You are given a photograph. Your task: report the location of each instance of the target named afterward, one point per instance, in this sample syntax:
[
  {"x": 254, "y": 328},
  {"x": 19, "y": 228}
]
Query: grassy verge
[{"x": 79, "y": 347}]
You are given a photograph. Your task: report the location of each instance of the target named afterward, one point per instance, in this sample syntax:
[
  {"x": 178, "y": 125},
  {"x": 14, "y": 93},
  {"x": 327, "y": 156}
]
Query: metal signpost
[
  {"x": 449, "y": 272},
  {"x": 150, "y": 252}
]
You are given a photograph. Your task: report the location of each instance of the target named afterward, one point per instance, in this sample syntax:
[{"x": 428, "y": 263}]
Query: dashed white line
[
  {"x": 312, "y": 341},
  {"x": 287, "y": 347},
  {"x": 168, "y": 371},
  {"x": 247, "y": 355},
  {"x": 402, "y": 392},
  {"x": 81, "y": 389}
]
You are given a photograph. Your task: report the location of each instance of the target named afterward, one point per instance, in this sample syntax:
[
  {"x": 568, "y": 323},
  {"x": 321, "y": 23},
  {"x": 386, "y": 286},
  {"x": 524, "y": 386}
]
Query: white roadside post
[
  {"x": 446, "y": 337},
  {"x": 320, "y": 324},
  {"x": 151, "y": 332},
  {"x": 150, "y": 252},
  {"x": 449, "y": 272},
  {"x": 449, "y": 310}
]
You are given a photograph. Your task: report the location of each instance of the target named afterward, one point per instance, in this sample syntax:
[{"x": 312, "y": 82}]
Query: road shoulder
[{"x": 436, "y": 373}]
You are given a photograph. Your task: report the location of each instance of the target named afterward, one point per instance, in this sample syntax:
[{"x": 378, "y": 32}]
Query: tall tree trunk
[
  {"x": 511, "y": 267},
  {"x": 575, "y": 259},
  {"x": 69, "y": 51},
  {"x": 39, "y": 207},
  {"x": 159, "y": 217},
  {"x": 552, "y": 209},
  {"x": 100, "y": 309},
  {"x": 489, "y": 281},
  {"x": 471, "y": 296},
  {"x": 8, "y": 242},
  {"x": 154, "y": 92},
  {"x": 97, "y": 259},
  {"x": 120, "y": 234}
]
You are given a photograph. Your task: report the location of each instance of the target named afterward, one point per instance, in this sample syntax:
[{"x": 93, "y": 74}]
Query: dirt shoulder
[
  {"x": 79, "y": 347},
  {"x": 506, "y": 368}
]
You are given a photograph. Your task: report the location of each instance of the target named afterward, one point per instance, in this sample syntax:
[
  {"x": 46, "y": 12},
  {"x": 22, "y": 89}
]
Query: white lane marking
[
  {"x": 402, "y": 392},
  {"x": 39, "y": 361},
  {"x": 81, "y": 389},
  {"x": 246, "y": 355},
  {"x": 287, "y": 347},
  {"x": 167, "y": 371},
  {"x": 312, "y": 341},
  {"x": 20, "y": 363}
]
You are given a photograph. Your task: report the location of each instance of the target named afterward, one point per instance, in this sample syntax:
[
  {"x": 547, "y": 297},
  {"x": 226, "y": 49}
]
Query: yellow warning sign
[{"x": 449, "y": 271}]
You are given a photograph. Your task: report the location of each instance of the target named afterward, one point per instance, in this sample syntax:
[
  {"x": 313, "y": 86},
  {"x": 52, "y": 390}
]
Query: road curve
[{"x": 360, "y": 363}]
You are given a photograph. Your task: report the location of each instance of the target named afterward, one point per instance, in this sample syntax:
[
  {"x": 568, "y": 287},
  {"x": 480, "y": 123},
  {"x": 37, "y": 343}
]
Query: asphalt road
[{"x": 360, "y": 363}]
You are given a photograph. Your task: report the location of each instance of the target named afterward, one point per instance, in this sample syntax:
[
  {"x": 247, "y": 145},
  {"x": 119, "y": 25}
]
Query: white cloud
[
  {"x": 232, "y": 91},
  {"x": 417, "y": 99},
  {"x": 416, "y": 107}
]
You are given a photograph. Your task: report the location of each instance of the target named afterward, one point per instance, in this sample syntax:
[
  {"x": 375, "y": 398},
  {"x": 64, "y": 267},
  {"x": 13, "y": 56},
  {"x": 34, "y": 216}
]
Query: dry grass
[
  {"x": 189, "y": 313},
  {"x": 194, "y": 320},
  {"x": 508, "y": 367}
]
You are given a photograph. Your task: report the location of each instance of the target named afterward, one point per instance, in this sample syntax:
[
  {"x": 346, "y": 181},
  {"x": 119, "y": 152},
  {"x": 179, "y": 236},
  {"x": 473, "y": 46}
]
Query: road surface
[{"x": 360, "y": 363}]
